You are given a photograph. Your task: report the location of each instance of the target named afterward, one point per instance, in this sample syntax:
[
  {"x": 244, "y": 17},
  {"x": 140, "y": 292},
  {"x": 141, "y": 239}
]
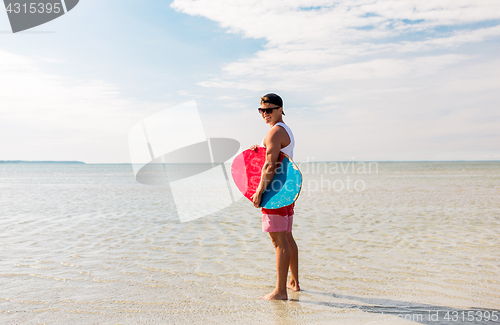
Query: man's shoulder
[
  {"x": 278, "y": 129},
  {"x": 276, "y": 134}
]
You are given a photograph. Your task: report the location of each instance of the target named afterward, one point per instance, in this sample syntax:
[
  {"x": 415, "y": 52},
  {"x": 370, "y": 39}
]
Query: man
[{"x": 278, "y": 222}]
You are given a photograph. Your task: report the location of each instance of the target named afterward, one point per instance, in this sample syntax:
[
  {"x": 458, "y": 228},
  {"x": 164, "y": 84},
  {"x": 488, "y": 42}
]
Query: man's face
[{"x": 273, "y": 116}]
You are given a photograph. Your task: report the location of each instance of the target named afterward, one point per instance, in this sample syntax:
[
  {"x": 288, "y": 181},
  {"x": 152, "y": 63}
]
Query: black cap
[{"x": 273, "y": 99}]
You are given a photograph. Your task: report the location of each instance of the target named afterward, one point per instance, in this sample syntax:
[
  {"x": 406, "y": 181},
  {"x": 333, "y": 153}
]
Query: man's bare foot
[
  {"x": 275, "y": 296},
  {"x": 293, "y": 286}
]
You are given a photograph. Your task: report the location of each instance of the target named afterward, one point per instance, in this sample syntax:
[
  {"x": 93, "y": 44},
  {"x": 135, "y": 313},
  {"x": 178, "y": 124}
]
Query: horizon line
[{"x": 320, "y": 161}]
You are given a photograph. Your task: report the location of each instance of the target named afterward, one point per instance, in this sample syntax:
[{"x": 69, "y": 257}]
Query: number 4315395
[
  {"x": 33, "y": 8},
  {"x": 471, "y": 315}
]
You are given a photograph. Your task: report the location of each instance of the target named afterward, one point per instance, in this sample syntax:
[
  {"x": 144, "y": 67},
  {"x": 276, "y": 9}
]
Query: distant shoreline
[
  {"x": 297, "y": 162},
  {"x": 39, "y": 162}
]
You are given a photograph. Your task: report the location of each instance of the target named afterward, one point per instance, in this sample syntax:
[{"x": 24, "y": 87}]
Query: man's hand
[
  {"x": 256, "y": 199},
  {"x": 254, "y": 147}
]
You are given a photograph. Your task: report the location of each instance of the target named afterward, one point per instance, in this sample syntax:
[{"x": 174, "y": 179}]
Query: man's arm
[{"x": 273, "y": 147}]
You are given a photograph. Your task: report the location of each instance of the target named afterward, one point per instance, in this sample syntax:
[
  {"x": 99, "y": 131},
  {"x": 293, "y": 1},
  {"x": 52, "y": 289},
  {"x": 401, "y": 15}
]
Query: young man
[{"x": 278, "y": 222}]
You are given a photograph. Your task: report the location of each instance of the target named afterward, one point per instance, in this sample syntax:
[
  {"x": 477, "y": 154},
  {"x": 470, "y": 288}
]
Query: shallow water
[{"x": 88, "y": 244}]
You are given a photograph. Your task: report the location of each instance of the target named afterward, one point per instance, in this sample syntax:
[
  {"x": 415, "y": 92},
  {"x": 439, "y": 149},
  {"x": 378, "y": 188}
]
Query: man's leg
[
  {"x": 294, "y": 263},
  {"x": 280, "y": 241}
]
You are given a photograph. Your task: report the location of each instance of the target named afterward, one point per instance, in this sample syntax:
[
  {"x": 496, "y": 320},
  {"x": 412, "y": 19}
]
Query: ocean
[{"x": 379, "y": 242}]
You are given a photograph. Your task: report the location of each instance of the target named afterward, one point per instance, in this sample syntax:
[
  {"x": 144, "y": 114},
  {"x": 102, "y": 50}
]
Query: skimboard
[{"x": 283, "y": 190}]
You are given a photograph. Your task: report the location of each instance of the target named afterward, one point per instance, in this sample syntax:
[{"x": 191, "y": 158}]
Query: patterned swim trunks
[{"x": 277, "y": 220}]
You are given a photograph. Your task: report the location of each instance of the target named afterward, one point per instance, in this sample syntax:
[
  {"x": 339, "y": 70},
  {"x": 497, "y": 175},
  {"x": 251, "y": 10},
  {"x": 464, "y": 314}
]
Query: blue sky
[{"x": 369, "y": 80}]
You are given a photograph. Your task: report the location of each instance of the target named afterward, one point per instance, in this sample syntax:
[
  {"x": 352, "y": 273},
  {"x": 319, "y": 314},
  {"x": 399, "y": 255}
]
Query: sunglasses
[{"x": 267, "y": 110}]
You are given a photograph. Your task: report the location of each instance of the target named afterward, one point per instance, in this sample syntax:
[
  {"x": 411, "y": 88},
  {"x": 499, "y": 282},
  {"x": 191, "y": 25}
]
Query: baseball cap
[{"x": 272, "y": 98}]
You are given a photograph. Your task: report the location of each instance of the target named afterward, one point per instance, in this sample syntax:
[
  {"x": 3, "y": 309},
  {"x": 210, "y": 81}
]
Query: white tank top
[{"x": 288, "y": 150}]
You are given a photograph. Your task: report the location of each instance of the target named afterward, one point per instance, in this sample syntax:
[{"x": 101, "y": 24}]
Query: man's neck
[{"x": 278, "y": 121}]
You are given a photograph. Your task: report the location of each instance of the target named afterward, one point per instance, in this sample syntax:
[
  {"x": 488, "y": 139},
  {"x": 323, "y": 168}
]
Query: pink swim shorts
[{"x": 277, "y": 220}]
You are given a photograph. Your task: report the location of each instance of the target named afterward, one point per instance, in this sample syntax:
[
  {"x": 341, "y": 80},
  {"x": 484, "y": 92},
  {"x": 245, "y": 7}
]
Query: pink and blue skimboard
[{"x": 283, "y": 190}]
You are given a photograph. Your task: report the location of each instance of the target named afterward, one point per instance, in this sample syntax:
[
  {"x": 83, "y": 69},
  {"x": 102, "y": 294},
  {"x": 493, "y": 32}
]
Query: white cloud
[
  {"x": 282, "y": 22},
  {"x": 306, "y": 35},
  {"x": 457, "y": 39},
  {"x": 365, "y": 76},
  {"x": 48, "y": 117},
  {"x": 383, "y": 76}
]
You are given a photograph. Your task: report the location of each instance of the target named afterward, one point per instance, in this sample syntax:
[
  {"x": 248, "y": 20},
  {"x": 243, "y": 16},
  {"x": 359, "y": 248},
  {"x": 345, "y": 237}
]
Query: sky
[{"x": 360, "y": 80}]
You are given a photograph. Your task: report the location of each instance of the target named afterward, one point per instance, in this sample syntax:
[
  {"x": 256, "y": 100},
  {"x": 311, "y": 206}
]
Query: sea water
[{"x": 379, "y": 242}]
